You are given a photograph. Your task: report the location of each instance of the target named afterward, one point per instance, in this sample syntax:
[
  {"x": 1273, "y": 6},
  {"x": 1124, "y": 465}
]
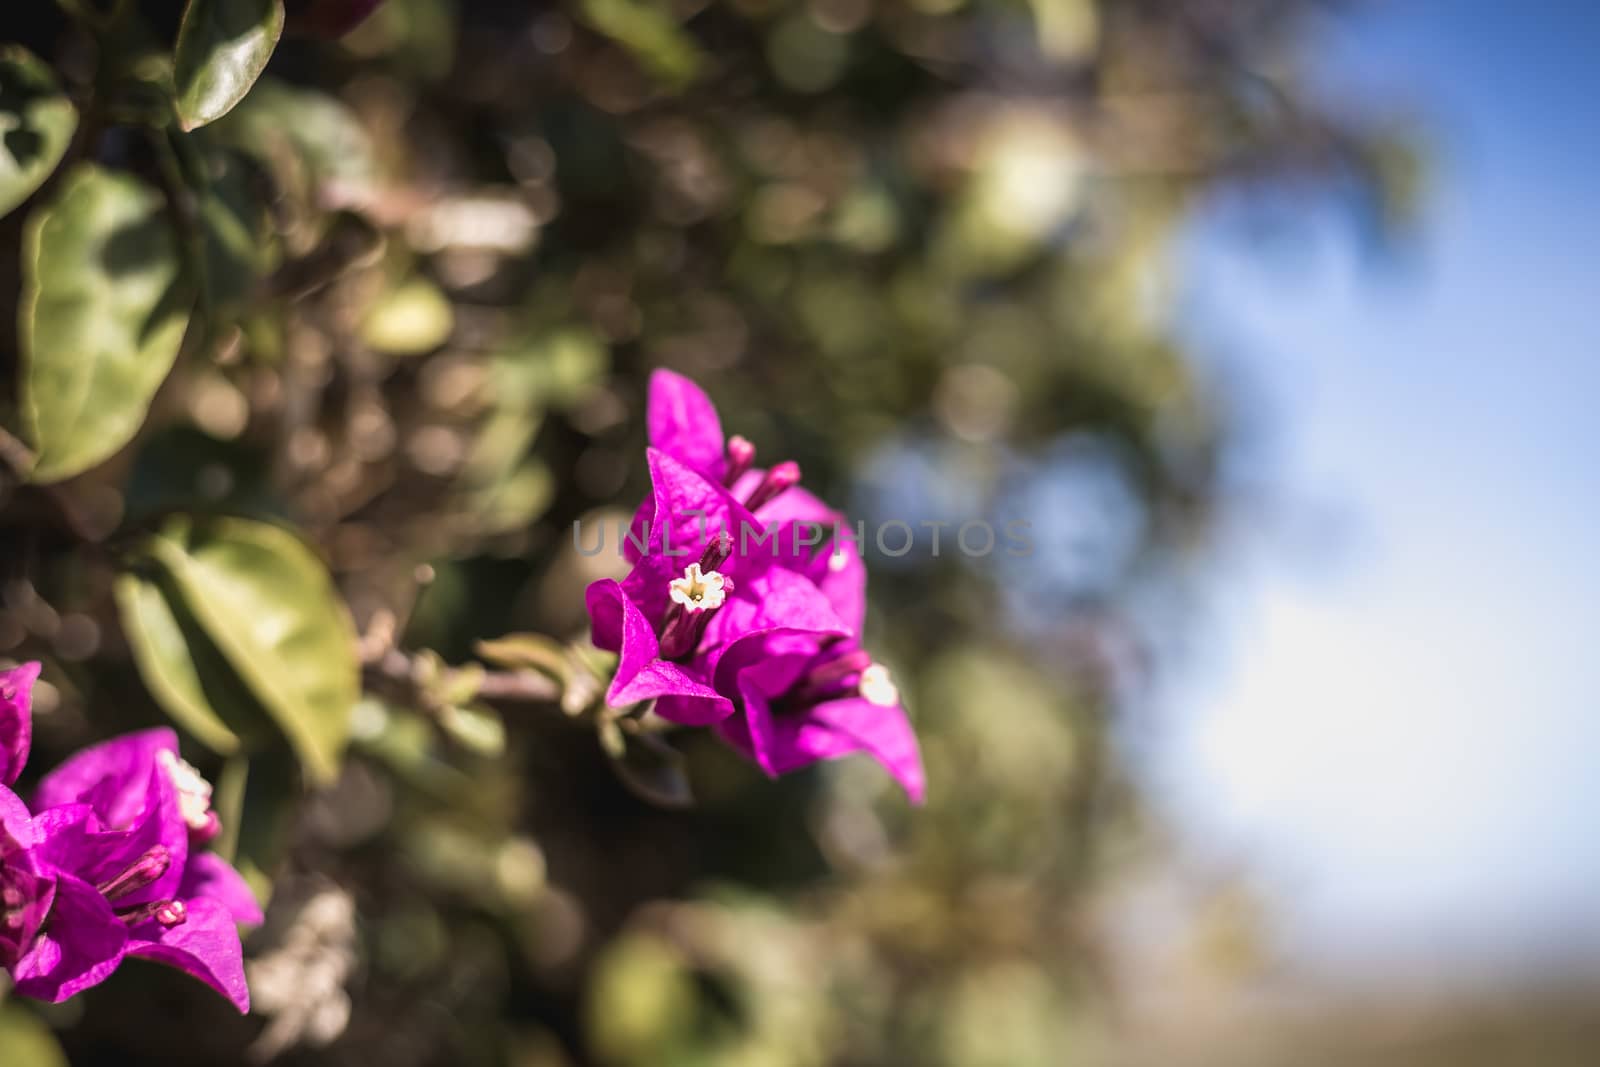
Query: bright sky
[{"x": 1406, "y": 737}]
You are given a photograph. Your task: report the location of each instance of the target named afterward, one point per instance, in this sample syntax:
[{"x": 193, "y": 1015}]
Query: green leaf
[
  {"x": 650, "y": 32},
  {"x": 223, "y": 46},
  {"x": 524, "y": 651},
  {"x": 542, "y": 368},
  {"x": 514, "y": 501},
  {"x": 411, "y": 320},
  {"x": 102, "y": 317},
  {"x": 36, "y": 125},
  {"x": 272, "y": 611},
  {"x": 307, "y": 138},
  {"x": 184, "y": 671},
  {"x": 135, "y": 86},
  {"x": 24, "y": 1038},
  {"x": 459, "y": 685},
  {"x": 403, "y": 740},
  {"x": 475, "y": 728}
]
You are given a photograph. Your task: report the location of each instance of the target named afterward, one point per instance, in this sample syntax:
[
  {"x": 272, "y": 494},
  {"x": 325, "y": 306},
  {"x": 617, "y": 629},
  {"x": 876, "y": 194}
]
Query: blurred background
[{"x": 1270, "y": 320}]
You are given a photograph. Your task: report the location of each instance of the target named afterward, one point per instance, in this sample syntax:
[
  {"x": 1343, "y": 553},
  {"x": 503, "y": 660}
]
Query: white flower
[
  {"x": 877, "y": 687},
  {"x": 697, "y": 590}
]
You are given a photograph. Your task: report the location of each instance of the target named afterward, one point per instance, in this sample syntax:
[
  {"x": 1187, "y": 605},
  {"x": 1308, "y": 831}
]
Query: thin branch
[{"x": 397, "y": 674}]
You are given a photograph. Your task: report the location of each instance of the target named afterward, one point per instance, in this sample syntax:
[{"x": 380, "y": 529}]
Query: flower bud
[
  {"x": 779, "y": 480},
  {"x": 741, "y": 454},
  {"x": 138, "y": 874}
]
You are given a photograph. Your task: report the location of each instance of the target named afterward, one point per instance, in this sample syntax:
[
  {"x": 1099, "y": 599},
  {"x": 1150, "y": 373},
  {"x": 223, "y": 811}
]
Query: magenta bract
[
  {"x": 107, "y": 864},
  {"x": 730, "y": 618}
]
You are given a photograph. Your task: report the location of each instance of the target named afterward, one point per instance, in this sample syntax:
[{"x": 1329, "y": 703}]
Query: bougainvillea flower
[
  {"x": 684, "y": 424},
  {"x": 783, "y": 678},
  {"x": 108, "y": 867},
  {"x": 25, "y": 890},
  {"x": 111, "y": 778},
  {"x": 841, "y": 702},
  {"x": 801, "y": 533},
  {"x": 693, "y": 591},
  {"x": 16, "y": 719},
  {"x": 804, "y": 697}
]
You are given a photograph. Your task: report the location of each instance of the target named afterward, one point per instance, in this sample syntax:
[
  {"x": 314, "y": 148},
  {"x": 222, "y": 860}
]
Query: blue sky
[{"x": 1404, "y": 734}]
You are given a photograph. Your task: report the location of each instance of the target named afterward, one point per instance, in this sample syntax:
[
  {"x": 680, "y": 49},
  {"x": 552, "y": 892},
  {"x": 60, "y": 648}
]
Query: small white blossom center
[
  {"x": 877, "y": 687},
  {"x": 194, "y": 792},
  {"x": 697, "y": 590}
]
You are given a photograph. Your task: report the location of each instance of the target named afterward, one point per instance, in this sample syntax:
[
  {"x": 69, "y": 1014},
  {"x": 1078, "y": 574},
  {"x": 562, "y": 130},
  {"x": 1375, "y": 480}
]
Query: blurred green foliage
[{"x": 315, "y": 370}]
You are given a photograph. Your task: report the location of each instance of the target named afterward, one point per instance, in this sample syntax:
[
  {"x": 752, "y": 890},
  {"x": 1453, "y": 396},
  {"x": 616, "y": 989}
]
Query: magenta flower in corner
[
  {"x": 26, "y": 891},
  {"x": 109, "y": 865}
]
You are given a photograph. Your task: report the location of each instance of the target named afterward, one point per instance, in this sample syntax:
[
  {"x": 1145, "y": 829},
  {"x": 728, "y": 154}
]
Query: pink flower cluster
[
  {"x": 109, "y": 861},
  {"x": 755, "y": 636}
]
